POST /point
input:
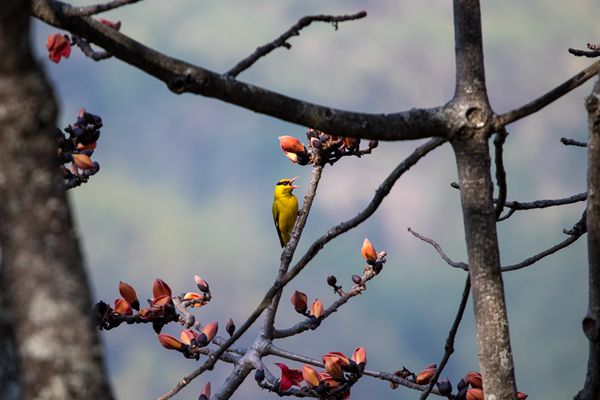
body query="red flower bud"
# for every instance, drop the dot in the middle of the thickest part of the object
(521, 396)
(210, 330)
(291, 144)
(128, 293)
(425, 376)
(194, 296)
(289, 377)
(206, 390)
(169, 342)
(475, 394)
(333, 366)
(122, 307)
(368, 252)
(83, 161)
(316, 308)
(160, 288)
(311, 376)
(360, 355)
(299, 301)
(202, 284)
(187, 335)
(474, 378)
(58, 46)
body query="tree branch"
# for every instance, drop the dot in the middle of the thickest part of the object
(546, 99)
(86, 11)
(183, 77)
(500, 172)
(449, 346)
(438, 248)
(281, 41)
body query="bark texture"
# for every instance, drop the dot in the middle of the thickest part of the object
(471, 147)
(591, 323)
(46, 326)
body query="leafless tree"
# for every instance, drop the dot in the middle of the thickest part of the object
(46, 326)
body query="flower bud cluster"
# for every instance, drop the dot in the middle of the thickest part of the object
(339, 375)
(470, 387)
(163, 308)
(75, 148)
(322, 148)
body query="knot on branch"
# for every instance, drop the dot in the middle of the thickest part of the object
(591, 328)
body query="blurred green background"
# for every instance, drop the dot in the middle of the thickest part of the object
(186, 183)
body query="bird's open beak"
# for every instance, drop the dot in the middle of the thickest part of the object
(292, 181)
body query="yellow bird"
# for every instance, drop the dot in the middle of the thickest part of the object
(285, 209)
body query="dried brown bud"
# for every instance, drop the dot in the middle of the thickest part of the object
(332, 281)
(230, 327)
(315, 143)
(356, 279)
(299, 301)
(445, 387)
(373, 144)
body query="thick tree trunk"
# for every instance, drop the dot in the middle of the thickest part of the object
(591, 323)
(471, 147)
(48, 334)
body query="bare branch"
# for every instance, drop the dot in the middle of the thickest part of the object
(572, 142)
(382, 191)
(281, 41)
(86, 11)
(438, 248)
(183, 77)
(578, 230)
(87, 50)
(310, 323)
(593, 51)
(546, 99)
(500, 172)
(516, 205)
(449, 346)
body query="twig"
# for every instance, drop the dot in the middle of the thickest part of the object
(593, 51)
(516, 205)
(438, 248)
(449, 346)
(281, 41)
(572, 142)
(575, 233)
(87, 50)
(546, 99)
(578, 230)
(368, 274)
(86, 11)
(500, 172)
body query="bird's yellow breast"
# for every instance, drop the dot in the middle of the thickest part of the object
(285, 211)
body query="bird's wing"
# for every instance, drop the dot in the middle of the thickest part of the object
(276, 220)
